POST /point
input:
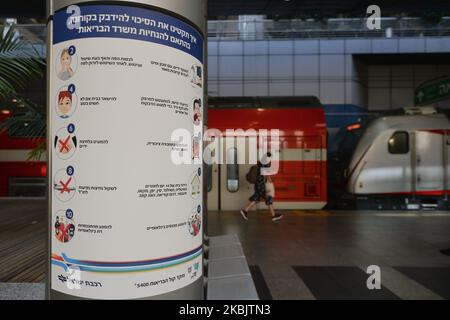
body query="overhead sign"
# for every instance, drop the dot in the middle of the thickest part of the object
(126, 221)
(433, 92)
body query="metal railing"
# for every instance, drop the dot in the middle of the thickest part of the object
(262, 29)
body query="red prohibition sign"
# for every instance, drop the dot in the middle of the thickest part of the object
(65, 186)
(64, 145)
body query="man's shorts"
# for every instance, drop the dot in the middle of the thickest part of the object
(256, 197)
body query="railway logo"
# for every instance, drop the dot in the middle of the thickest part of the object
(193, 270)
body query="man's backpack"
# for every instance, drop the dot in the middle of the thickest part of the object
(252, 175)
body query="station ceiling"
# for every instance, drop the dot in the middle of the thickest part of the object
(281, 8)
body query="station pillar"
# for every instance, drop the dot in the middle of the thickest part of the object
(126, 98)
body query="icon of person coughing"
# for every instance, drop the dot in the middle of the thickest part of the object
(66, 72)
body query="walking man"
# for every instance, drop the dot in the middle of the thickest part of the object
(260, 190)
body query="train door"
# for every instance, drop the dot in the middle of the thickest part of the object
(212, 178)
(431, 153)
(234, 187)
(229, 188)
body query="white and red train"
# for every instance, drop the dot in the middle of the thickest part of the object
(402, 162)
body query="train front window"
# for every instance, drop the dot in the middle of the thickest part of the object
(399, 143)
(232, 170)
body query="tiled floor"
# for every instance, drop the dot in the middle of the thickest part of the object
(324, 255)
(307, 255)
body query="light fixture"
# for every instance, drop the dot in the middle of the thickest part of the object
(355, 126)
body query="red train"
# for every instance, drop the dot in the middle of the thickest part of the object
(19, 176)
(301, 181)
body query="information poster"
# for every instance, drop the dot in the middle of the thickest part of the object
(126, 220)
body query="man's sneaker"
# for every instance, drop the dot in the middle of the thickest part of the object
(277, 217)
(244, 214)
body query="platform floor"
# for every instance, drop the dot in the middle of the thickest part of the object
(23, 240)
(325, 255)
(307, 255)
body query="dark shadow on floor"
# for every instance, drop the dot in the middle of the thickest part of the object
(437, 279)
(260, 283)
(340, 283)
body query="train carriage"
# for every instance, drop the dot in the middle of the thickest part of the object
(402, 162)
(300, 182)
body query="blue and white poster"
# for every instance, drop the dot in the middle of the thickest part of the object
(126, 220)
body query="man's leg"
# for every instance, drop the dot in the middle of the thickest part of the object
(271, 210)
(250, 205)
(244, 212)
(269, 203)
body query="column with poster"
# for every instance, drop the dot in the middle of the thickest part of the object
(125, 219)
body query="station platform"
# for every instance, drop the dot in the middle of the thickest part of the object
(306, 255)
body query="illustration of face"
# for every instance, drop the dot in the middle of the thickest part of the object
(196, 147)
(66, 60)
(65, 103)
(197, 112)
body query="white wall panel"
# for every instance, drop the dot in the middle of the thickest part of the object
(281, 47)
(213, 48)
(260, 47)
(281, 89)
(281, 67)
(412, 45)
(230, 89)
(256, 67)
(231, 47)
(332, 67)
(332, 92)
(230, 68)
(384, 45)
(256, 89)
(306, 66)
(306, 88)
(306, 46)
(332, 46)
(212, 67)
(358, 46)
